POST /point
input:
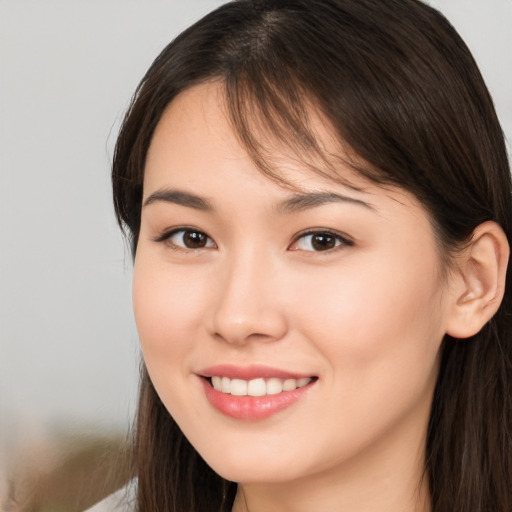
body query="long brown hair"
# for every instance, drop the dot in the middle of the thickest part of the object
(404, 94)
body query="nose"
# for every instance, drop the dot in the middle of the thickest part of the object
(247, 303)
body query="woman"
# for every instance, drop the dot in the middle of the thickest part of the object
(318, 199)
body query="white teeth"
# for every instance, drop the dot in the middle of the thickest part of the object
(226, 385)
(238, 387)
(289, 384)
(274, 386)
(217, 383)
(302, 382)
(257, 387)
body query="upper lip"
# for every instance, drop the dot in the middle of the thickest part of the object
(250, 372)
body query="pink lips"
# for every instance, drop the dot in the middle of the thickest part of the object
(249, 372)
(251, 408)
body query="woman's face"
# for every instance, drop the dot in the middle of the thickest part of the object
(316, 311)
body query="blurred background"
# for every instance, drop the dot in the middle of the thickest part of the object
(68, 345)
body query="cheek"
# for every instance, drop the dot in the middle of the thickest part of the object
(168, 309)
(376, 326)
(168, 314)
(380, 336)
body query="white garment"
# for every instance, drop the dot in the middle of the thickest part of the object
(121, 501)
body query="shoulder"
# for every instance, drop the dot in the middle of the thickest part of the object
(121, 501)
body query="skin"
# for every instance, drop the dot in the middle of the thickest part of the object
(366, 317)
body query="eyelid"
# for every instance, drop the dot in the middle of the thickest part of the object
(342, 237)
(169, 233)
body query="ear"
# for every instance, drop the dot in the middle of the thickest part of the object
(479, 281)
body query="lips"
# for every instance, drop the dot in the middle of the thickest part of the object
(253, 393)
(250, 372)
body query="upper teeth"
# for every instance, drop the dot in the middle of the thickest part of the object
(257, 387)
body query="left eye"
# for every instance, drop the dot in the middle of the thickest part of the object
(318, 241)
(189, 239)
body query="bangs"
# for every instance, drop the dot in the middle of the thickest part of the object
(278, 119)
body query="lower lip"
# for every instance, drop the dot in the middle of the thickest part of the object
(252, 408)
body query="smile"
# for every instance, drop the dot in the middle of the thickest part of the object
(253, 393)
(257, 387)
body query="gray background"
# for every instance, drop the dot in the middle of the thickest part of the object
(68, 346)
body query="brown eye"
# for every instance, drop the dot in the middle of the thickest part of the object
(319, 241)
(189, 239)
(323, 242)
(194, 239)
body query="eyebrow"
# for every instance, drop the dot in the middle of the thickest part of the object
(313, 199)
(179, 197)
(296, 203)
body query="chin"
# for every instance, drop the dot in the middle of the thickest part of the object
(255, 465)
(256, 473)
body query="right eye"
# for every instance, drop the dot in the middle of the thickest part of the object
(187, 239)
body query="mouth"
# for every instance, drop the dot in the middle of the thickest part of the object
(254, 393)
(257, 387)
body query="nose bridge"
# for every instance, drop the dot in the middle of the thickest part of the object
(246, 305)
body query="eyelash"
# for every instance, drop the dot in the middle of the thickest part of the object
(339, 239)
(166, 237)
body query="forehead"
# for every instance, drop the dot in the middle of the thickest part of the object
(195, 145)
(198, 123)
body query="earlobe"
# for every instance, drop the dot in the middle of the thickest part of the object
(480, 281)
